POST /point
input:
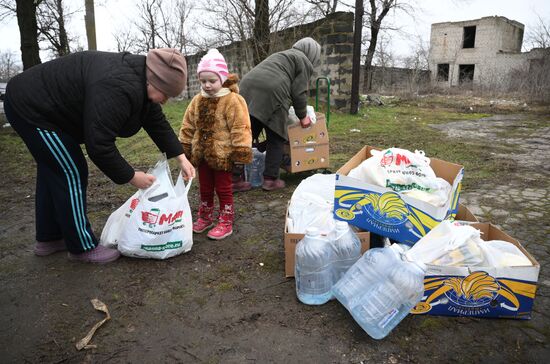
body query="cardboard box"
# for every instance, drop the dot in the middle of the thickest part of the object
(308, 148)
(291, 239)
(465, 215)
(407, 228)
(512, 299)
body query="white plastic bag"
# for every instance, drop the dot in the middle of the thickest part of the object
(499, 253)
(449, 244)
(155, 222)
(312, 203)
(404, 172)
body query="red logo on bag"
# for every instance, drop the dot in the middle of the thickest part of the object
(134, 203)
(171, 218)
(154, 217)
(402, 159)
(150, 217)
(387, 158)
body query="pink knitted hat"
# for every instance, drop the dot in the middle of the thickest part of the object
(214, 62)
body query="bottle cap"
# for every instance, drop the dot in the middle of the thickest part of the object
(397, 248)
(341, 225)
(312, 231)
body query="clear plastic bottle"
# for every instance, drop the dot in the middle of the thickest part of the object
(385, 304)
(313, 272)
(347, 249)
(255, 170)
(365, 273)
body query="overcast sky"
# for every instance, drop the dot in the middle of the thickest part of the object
(114, 14)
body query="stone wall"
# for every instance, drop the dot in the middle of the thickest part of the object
(335, 35)
(395, 80)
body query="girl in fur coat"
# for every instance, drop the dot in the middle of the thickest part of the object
(216, 137)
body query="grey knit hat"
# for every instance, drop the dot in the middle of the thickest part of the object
(310, 48)
(166, 71)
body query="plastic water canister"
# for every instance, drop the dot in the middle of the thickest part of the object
(313, 273)
(385, 304)
(255, 170)
(346, 247)
(366, 272)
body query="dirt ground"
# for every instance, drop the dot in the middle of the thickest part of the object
(228, 301)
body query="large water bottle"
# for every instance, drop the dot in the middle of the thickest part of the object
(313, 273)
(365, 273)
(383, 306)
(255, 170)
(347, 249)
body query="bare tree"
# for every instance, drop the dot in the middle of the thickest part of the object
(384, 55)
(89, 20)
(52, 17)
(25, 11)
(160, 24)
(375, 15)
(233, 20)
(356, 62)
(539, 35)
(8, 66)
(324, 7)
(126, 40)
(261, 30)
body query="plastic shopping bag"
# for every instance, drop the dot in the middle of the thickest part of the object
(155, 222)
(449, 244)
(312, 203)
(499, 253)
(404, 172)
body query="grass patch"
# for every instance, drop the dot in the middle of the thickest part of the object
(225, 287)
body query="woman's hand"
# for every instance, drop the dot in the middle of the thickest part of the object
(305, 122)
(142, 180)
(187, 169)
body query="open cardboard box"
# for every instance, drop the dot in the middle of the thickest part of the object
(406, 228)
(292, 239)
(308, 148)
(513, 297)
(464, 214)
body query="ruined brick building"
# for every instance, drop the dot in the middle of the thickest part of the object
(483, 52)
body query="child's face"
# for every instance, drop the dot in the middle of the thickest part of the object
(210, 82)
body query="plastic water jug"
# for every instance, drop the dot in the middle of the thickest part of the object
(386, 300)
(313, 272)
(255, 170)
(347, 249)
(366, 272)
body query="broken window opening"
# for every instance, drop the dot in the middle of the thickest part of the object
(469, 38)
(466, 73)
(443, 72)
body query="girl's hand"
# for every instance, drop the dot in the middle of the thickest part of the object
(142, 180)
(187, 169)
(305, 122)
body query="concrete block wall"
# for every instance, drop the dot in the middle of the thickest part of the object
(395, 79)
(335, 35)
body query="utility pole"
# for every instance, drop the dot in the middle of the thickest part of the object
(356, 58)
(89, 19)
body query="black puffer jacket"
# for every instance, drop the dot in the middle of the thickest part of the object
(94, 97)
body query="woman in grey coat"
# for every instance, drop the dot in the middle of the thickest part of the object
(270, 88)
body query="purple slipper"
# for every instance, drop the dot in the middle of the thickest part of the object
(100, 254)
(43, 248)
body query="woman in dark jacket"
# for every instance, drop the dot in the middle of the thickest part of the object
(270, 88)
(90, 98)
